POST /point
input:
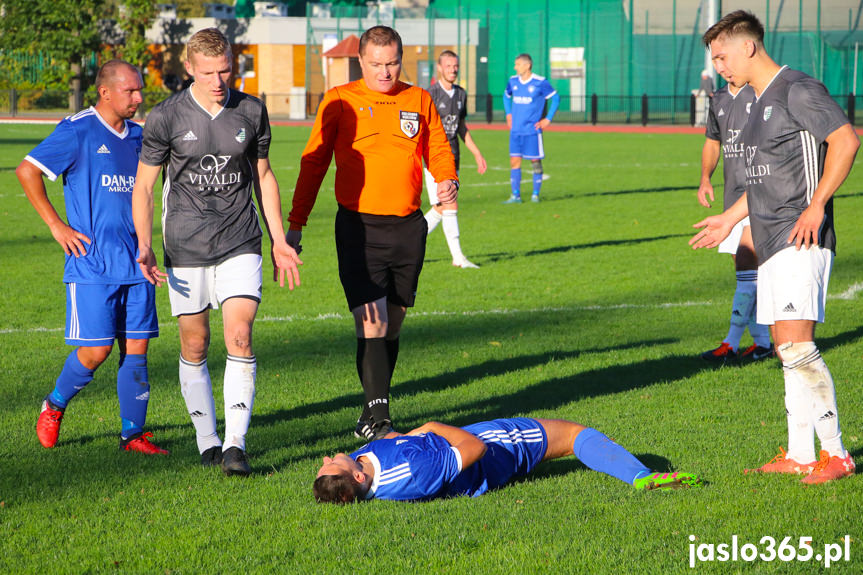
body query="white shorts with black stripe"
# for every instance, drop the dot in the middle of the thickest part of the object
(192, 290)
(792, 285)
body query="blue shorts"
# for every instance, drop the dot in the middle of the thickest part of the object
(527, 146)
(514, 447)
(97, 314)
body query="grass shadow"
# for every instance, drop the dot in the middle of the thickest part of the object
(495, 256)
(641, 191)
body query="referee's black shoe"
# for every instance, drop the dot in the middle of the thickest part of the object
(364, 430)
(381, 429)
(234, 462)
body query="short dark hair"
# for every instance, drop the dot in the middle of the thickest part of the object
(109, 70)
(525, 56)
(737, 23)
(336, 489)
(446, 54)
(380, 36)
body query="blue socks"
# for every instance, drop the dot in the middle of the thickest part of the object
(537, 176)
(72, 379)
(537, 183)
(133, 390)
(515, 181)
(600, 453)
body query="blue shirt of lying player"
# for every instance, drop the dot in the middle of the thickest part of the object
(437, 460)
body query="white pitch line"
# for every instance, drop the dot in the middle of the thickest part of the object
(30, 121)
(506, 183)
(848, 294)
(346, 316)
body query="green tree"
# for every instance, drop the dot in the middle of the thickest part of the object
(65, 30)
(135, 18)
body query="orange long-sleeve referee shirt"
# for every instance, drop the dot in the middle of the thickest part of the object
(379, 141)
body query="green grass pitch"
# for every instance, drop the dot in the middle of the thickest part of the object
(589, 306)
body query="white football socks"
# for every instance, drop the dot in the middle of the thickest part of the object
(450, 230)
(239, 397)
(433, 218)
(805, 362)
(197, 390)
(801, 441)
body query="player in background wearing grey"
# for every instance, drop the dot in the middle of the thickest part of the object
(451, 102)
(729, 110)
(213, 143)
(800, 147)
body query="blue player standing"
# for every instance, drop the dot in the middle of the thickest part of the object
(437, 460)
(524, 101)
(107, 298)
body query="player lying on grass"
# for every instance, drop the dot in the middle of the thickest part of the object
(438, 460)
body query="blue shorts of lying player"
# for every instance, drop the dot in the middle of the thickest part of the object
(437, 460)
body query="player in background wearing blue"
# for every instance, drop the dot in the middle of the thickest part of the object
(107, 298)
(437, 460)
(524, 101)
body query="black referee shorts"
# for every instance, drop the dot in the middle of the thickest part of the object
(380, 256)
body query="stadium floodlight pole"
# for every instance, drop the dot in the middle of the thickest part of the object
(711, 20)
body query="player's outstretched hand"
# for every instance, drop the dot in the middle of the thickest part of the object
(70, 239)
(285, 262)
(481, 166)
(808, 226)
(447, 191)
(714, 229)
(705, 190)
(147, 261)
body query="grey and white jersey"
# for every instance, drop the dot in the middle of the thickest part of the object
(208, 215)
(785, 152)
(453, 112)
(725, 121)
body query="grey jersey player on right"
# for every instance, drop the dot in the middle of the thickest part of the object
(799, 149)
(786, 148)
(451, 102)
(728, 113)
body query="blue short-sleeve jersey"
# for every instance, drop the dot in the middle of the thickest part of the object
(527, 101)
(423, 467)
(98, 166)
(411, 467)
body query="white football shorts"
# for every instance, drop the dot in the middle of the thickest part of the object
(792, 284)
(730, 244)
(192, 290)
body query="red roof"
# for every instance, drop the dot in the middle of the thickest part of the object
(347, 48)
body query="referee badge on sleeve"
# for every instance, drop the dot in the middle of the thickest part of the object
(410, 123)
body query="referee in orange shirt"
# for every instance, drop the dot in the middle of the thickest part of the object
(380, 130)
